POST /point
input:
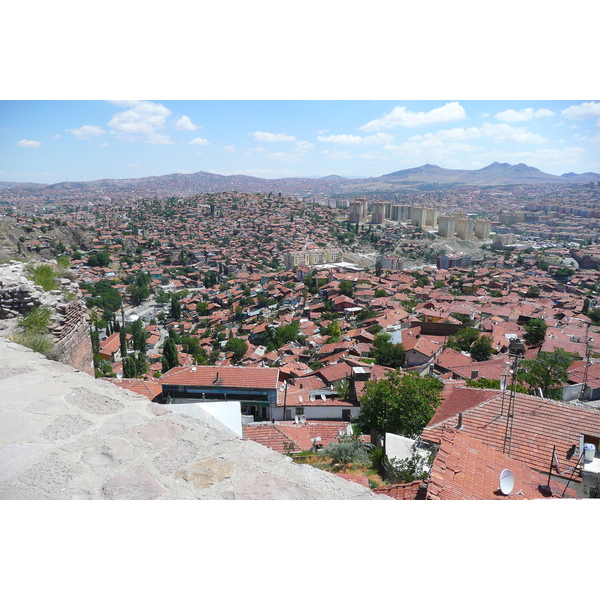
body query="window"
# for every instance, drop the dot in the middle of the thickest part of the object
(300, 410)
(345, 414)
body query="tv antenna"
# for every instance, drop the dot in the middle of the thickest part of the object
(516, 350)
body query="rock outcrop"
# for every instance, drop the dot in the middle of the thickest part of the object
(70, 324)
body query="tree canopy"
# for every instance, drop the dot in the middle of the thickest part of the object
(386, 353)
(170, 356)
(238, 347)
(481, 349)
(548, 371)
(402, 404)
(535, 332)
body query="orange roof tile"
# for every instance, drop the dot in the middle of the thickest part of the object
(238, 377)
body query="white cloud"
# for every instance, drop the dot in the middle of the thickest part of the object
(56, 136)
(336, 154)
(430, 151)
(28, 144)
(401, 117)
(378, 138)
(185, 124)
(501, 132)
(199, 142)
(525, 114)
(457, 133)
(229, 148)
(159, 138)
(263, 136)
(133, 165)
(586, 110)
(303, 147)
(86, 132)
(367, 156)
(142, 118)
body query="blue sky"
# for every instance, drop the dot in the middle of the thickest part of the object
(48, 141)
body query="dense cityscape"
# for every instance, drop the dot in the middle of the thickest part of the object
(337, 297)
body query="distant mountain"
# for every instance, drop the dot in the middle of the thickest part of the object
(581, 177)
(494, 174)
(182, 184)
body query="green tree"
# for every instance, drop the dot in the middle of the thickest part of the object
(535, 332)
(402, 404)
(462, 339)
(238, 346)
(413, 468)
(481, 349)
(548, 371)
(170, 357)
(138, 336)
(378, 268)
(346, 288)
(533, 291)
(175, 308)
(386, 353)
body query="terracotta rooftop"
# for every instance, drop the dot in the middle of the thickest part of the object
(239, 377)
(538, 425)
(467, 469)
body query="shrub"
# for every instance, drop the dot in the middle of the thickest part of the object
(44, 276)
(36, 341)
(348, 451)
(37, 320)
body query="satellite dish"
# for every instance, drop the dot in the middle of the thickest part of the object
(342, 432)
(503, 384)
(303, 419)
(507, 481)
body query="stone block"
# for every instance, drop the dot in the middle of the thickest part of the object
(135, 485)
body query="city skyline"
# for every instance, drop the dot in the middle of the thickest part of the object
(49, 141)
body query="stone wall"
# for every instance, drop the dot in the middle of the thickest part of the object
(70, 326)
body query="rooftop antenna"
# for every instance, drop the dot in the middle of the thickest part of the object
(587, 364)
(546, 490)
(516, 350)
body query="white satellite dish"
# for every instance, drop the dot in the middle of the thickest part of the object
(507, 481)
(503, 384)
(303, 419)
(342, 432)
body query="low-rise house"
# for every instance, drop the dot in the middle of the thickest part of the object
(255, 388)
(549, 436)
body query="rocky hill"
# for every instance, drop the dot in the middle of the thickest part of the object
(180, 184)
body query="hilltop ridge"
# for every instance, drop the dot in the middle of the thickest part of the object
(176, 184)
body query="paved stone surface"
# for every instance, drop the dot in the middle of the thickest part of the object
(65, 435)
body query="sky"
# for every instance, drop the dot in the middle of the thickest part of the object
(48, 141)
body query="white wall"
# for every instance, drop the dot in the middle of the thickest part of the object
(228, 413)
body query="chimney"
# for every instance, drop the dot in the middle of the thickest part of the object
(474, 373)
(460, 418)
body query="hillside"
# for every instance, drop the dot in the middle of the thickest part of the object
(182, 184)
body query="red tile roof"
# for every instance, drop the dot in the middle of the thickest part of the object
(467, 469)
(238, 377)
(403, 491)
(538, 425)
(151, 389)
